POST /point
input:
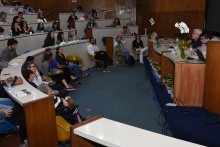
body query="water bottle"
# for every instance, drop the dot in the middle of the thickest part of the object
(177, 39)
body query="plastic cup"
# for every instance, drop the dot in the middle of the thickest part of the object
(9, 86)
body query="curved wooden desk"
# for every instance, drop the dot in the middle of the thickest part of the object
(188, 74)
(39, 108)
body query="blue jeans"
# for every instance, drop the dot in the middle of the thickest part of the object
(6, 103)
(77, 70)
(127, 55)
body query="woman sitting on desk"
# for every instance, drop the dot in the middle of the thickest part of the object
(119, 46)
(138, 46)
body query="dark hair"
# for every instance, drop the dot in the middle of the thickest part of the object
(59, 36)
(47, 50)
(12, 42)
(119, 23)
(27, 64)
(124, 27)
(91, 38)
(79, 7)
(19, 12)
(57, 50)
(137, 36)
(47, 56)
(3, 13)
(1, 30)
(25, 6)
(38, 16)
(21, 24)
(14, 19)
(49, 35)
(38, 26)
(30, 58)
(207, 35)
(26, 73)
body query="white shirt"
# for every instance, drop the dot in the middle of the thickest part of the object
(38, 80)
(41, 20)
(92, 49)
(13, 11)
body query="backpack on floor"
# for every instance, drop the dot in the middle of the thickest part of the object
(131, 61)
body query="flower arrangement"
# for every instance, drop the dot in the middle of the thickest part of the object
(183, 30)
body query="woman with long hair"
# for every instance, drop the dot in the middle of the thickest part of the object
(50, 39)
(55, 26)
(40, 27)
(138, 46)
(40, 18)
(60, 38)
(61, 59)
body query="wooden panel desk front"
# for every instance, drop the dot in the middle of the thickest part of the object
(41, 127)
(115, 134)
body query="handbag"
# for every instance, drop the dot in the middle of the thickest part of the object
(63, 129)
(13, 81)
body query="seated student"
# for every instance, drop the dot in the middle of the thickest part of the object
(72, 17)
(20, 15)
(56, 74)
(98, 54)
(6, 3)
(126, 31)
(14, 10)
(55, 26)
(138, 46)
(58, 88)
(61, 59)
(94, 15)
(77, 9)
(16, 30)
(2, 33)
(3, 18)
(85, 16)
(27, 9)
(66, 71)
(60, 38)
(40, 28)
(25, 29)
(50, 39)
(119, 46)
(15, 115)
(10, 52)
(91, 24)
(6, 103)
(29, 76)
(72, 36)
(195, 41)
(205, 37)
(58, 102)
(115, 23)
(40, 18)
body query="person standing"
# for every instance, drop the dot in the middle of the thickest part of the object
(10, 52)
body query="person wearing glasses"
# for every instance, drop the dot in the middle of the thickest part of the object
(195, 41)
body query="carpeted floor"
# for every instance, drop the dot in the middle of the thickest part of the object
(124, 95)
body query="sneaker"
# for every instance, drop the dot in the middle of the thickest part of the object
(115, 63)
(70, 88)
(106, 70)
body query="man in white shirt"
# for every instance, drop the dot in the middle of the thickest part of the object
(14, 10)
(99, 54)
